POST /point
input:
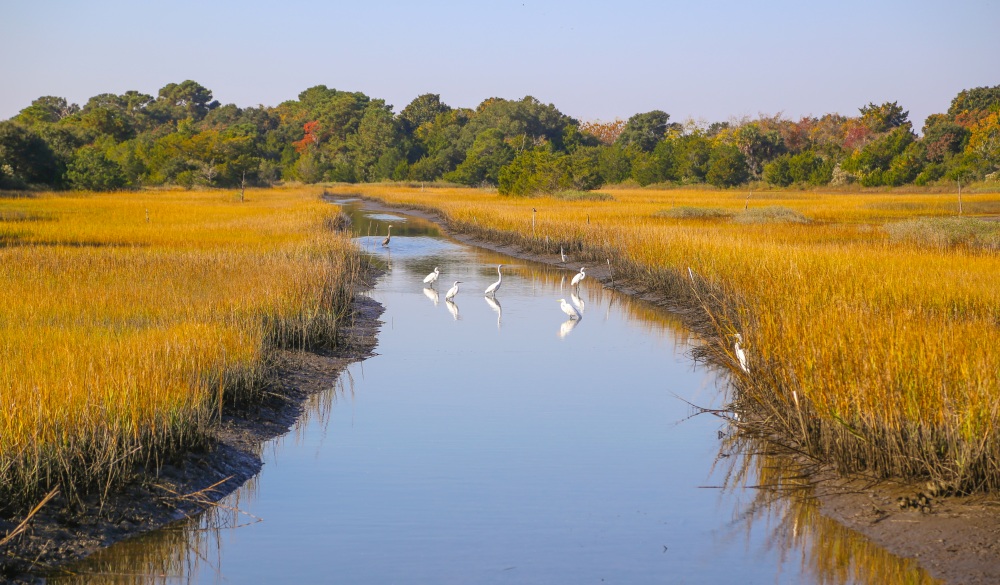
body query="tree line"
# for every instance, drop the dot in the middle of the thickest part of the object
(185, 137)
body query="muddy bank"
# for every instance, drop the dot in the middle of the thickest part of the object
(955, 539)
(186, 485)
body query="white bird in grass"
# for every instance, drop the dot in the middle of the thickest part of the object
(493, 288)
(388, 235)
(741, 354)
(431, 278)
(452, 291)
(579, 277)
(562, 254)
(569, 309)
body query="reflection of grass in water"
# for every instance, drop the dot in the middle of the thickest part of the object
(830, 553)
(123, 349)
(867, 352)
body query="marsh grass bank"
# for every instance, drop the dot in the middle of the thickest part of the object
(133, 325)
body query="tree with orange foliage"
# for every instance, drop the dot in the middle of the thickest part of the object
(309, 139)
(606, 132)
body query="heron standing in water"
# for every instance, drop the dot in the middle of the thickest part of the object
(388, 235)
(452, 291)
(431, 278)
(493, 288)
(579, 277)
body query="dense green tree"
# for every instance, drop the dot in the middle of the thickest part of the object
(976, 99)
(423, 109)
(47, 109)
(692, 152)
(27, 158)
(485, 158)
(178, 101)
(538, 170)
(90, 169)
(645, 130)
(727, 166)
(884, 117)
(871, 162)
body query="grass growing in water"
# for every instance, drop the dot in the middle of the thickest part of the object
(126, 320)
(874, 355)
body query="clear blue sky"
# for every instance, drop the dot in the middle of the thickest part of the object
(708, 60)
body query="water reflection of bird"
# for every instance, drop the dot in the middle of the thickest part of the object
(452, 291)
(388, 235)
(577, 302)
(452, 308)
(569, 309)
(579, 277)
(567, 326)
(562, 255)
(495, 305)
(432, 277)
(493, 288)
(741, 354)
(431, 294)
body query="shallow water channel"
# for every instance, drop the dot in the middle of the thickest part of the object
(500, 442)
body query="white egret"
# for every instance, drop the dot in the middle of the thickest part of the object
(493, 288)
(562, 254)
(569, 309)
(452, 291)
(741, 354)
(577, 302)
(388, 235)
(431, 278)
(579, 277)
(431, 294)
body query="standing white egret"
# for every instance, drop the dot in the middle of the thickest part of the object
(388, 235)
(452, 291)
(562, 254)
(493, 288)
(431, 278)
(741, 354)
(569, 309)
(579, 277)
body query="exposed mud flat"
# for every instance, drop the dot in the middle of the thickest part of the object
(186, 485)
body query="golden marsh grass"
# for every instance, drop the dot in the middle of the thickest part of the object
(872, 351)
(127, 319)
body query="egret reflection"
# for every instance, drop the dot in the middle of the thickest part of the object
(495, 305)
(452, 308)
(432, 295)
(567, 326)
(577, 302)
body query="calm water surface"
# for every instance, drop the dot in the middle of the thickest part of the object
(499, 442)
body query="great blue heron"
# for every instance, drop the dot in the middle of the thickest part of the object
(388, 235)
